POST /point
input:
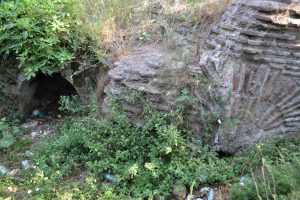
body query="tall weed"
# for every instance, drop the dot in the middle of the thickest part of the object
(272, 172)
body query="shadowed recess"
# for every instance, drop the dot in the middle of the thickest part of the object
(46, 92)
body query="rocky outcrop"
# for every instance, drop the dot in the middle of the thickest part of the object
(146, 76)
(247, 78)
(254, 54)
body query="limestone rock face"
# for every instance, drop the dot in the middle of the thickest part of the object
(254, 53)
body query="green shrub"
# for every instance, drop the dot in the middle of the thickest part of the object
(41, 34)
(71, 104)
(146, 160)
(8, 134)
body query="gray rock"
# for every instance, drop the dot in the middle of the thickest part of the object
(14, 172)
(161, 198)
(179, 192)
(30, 124)
(137, 75)
(34, 134)
(47, 131)
(205, 190)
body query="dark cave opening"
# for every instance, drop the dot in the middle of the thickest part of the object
(223, 154)
(46, 92)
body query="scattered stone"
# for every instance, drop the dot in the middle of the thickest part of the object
(161, 198)
(14, 172)
(206, 193)
(3, 170)
(47, 132)
(30, 124)
(179, 192)
(12, 189)
(25, 164)
(34, 134)
(205, 190)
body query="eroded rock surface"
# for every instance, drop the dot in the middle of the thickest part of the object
(254, 54)
(141, 78)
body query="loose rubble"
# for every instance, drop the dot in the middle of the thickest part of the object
(30, 124)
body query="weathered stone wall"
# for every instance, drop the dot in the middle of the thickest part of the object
(252, 61)
(254, 53)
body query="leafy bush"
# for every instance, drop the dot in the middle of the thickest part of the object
(42, 34)
(74, 106)
(71, 104)
(145, 161)
(8, 134)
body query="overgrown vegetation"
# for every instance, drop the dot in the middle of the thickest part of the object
(144, 161)
(148, 161)
(140, 161)
(271, 172)
(41, 34)
(8, 133)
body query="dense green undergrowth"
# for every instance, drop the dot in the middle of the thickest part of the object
(145, 161)
(149, 161)
(9, 129)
